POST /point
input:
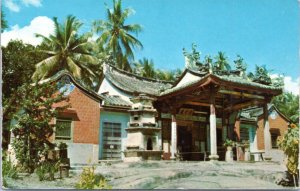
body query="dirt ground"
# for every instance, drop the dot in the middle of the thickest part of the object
(171, 175)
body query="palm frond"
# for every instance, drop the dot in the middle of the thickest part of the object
(43, 67)
(73, 68)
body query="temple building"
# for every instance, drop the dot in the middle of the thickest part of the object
(194, 115)
(133, 118)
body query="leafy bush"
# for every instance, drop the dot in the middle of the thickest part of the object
(46, 170)
(8, 170)
(89, 180)
(62, 146)
(290, 145)
(228, 143)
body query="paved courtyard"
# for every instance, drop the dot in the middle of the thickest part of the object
(172, 175)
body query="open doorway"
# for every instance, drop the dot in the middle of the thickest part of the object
(184, 143)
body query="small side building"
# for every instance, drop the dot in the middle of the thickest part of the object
(250, 127)
(81, 120)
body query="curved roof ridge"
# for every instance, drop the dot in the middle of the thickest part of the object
(137, 76)
(61, 73)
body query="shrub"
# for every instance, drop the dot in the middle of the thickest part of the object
(228, 143)
(46, 170)
(89, 180)
(8, 170)
(290, 145)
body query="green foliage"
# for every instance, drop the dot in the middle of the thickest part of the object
(62, 146)
(47, 169)
(278, 81)
(144, 68)
(221, 63)
(8, 170)
(89, 180)
(116, 36)
(288, 104)
(168, 75)
(32, 128)
(4, 24)
(67, 50)
(228, 143)
(290, 145)
(17, 67)
(261, 75)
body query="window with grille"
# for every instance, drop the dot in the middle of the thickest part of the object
(244, 134)
(111, 140)
(63, 130)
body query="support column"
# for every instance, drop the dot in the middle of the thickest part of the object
(224, 127)
(173, 137)
(213, 128)
(267, 134)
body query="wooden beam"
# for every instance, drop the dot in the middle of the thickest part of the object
(241, 94)
(243, 105)
(201, 104)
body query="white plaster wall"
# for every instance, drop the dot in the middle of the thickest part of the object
(106, 86)
(188, 77)
(80, 153)
(147, 118)
(135, 139)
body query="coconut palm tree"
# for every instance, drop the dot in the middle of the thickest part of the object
(221, 63)
(288, 104)
(117, 36)
(69, 51)
(145, 67)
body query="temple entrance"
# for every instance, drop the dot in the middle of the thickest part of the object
(184, 143)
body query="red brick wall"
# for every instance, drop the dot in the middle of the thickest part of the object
(86, 126)
(278, 123)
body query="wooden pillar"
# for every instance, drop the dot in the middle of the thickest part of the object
(224, 127)
(213, 127)
(267, 134)
(173, 136)
(207, 134)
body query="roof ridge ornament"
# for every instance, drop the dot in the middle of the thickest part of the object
(192, 60)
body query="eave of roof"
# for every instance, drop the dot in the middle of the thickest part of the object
(131, 83)
(115, 101)
(62, 73)
(257, 113)
(226, 80)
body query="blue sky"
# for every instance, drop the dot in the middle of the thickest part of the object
(263, 32)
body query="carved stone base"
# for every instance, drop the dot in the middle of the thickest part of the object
(137, 155)
(213, 157)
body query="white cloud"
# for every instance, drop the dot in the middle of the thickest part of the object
(41, 25)
(290, 84)
(36, 3)
(12, 5)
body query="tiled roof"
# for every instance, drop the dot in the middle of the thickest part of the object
(116, 101)
(226, 78)
(244, 81)
(135, 84)
(253, 113)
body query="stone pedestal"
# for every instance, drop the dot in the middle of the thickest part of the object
(247, 156)
(229, 155)
(143, 133)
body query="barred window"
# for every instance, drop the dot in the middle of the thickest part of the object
(63, 129)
